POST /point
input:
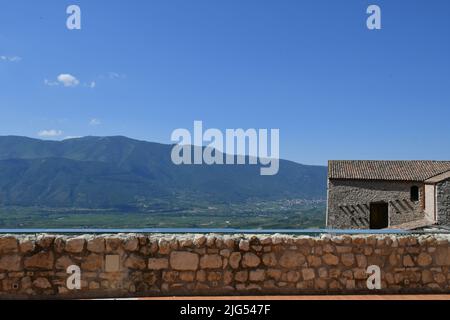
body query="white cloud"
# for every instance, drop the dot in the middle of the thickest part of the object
(72, 137)
(95, 122)
(90, 85)
(68, 80)
(10, 58)
(112, 76)
(51, 83)
(50, 133)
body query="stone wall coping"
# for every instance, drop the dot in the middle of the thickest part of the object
(278, 237)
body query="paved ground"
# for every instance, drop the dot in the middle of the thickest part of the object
(334, 297)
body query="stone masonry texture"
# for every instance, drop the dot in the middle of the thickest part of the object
(443, 202)
(132, 265)
(349, 202)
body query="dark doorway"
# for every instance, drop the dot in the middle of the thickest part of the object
(414, 193)
(379, 215)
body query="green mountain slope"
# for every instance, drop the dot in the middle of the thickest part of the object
(118, 172)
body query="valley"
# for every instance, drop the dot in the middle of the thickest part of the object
(282, 214)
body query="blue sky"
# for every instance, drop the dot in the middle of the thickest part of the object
(335, 89)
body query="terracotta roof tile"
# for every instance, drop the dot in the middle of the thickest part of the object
(386, 170)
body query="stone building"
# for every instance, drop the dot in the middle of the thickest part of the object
(388, 194)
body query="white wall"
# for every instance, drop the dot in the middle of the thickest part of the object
(430, 201)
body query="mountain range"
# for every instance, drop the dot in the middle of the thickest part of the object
(127, 174)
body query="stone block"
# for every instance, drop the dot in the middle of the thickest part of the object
(184, 261)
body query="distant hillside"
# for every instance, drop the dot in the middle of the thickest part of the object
(118, 172)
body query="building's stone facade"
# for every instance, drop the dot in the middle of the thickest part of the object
(148, 265)
(443, 202)
(349, 202)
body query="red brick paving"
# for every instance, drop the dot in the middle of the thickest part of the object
(333, 297)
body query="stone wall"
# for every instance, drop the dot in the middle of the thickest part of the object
(127, 265)
(349, 202)
(443, 202)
